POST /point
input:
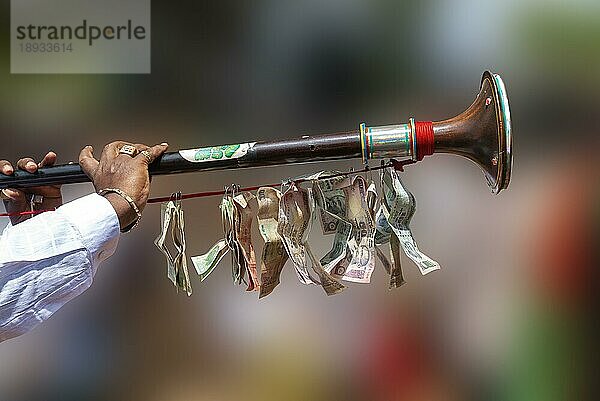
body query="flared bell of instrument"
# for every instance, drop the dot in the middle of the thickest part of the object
(483, 133)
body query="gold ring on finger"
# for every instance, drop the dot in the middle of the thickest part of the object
(128, 150)
(147, 155)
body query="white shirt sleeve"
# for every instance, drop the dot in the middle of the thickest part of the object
(52, 258)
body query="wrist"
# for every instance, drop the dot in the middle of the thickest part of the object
(128, 216)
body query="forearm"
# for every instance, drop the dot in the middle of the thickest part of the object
(30, 292)
(50, 259)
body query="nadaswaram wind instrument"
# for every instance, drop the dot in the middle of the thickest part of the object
(482, 134)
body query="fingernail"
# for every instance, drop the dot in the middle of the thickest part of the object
(31, 166)
(164, 144)
(7, 170)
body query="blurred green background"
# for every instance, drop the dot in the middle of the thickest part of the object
(510, 317)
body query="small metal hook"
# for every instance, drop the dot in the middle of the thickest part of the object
(285, 184)
(384, 168)
(369, 172)
(400, 164)
(224, 217)
(235, 188)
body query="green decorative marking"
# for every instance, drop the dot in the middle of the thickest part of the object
(230, 150)
(216, 153)
(202, 154)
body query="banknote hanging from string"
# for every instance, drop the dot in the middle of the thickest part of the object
(368, 220)
(360, 216)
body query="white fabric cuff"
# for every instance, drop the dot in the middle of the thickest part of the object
(97, 222)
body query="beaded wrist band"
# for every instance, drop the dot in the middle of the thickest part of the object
(131, 203)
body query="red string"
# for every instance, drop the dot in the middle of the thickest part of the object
(27, 213)
(400, 164)
(425, 139)
(207, 194)
(392, 163)
(254, 188)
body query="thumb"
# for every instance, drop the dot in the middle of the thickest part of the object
(87, 161)
(14, 195)
(154, 153)
(15, 201)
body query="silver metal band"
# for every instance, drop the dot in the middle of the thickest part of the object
(129, 200)
(388, 141)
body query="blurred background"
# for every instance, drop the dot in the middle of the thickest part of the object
(509, 317)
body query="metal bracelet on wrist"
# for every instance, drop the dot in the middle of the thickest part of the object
(129, 200)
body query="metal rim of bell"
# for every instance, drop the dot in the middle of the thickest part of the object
(503, 119)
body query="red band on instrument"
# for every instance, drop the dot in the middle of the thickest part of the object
(425, 139)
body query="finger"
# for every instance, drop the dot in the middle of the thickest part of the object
(111, 151)
(14, 195)
(141, 148)
(48, 160)
(87, 161)
(27, 164)
(6, 168)
(15, 201)
(155, 152)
